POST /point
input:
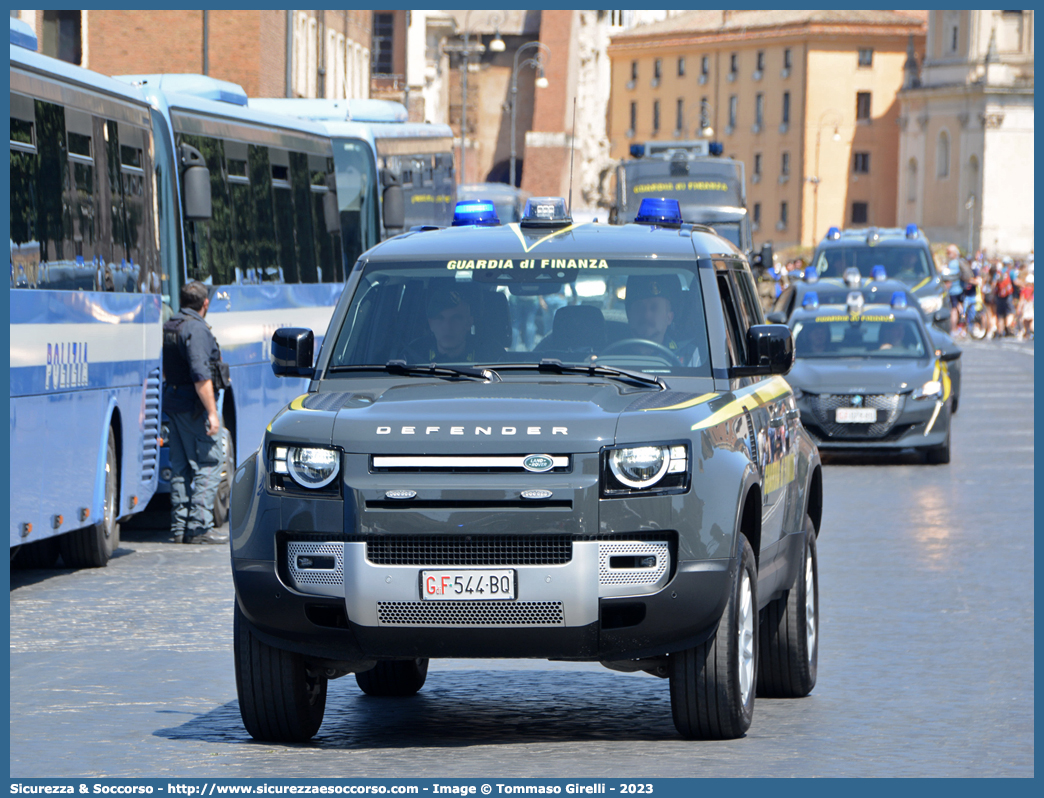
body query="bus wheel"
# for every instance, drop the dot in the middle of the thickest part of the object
(223, 497)
(38, 554)
(92, 546)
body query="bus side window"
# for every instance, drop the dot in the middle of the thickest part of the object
(25, 244)
(300, 178)
(244, 219)
(283, 206)
(266, 266)
(324, 205)
(51, 177)
(137, 205)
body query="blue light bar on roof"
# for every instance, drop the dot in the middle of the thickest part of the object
(480, 212)
(833, 234)
(811, 275)
(637, 150)
(911, 231)
(898, 299)
(811, 300)
(22, 34)
(879, 273)
(659, 211)
(716, 148)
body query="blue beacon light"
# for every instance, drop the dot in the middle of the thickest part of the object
(879, 273)
(911, 231)
(479, 212)
(811, 275)
(833, 234)
(898, 300)
(659, 211)
(811, 300)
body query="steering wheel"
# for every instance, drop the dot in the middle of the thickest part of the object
(627, 342)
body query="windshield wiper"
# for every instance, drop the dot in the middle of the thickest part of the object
(558, 367)
(435, 370)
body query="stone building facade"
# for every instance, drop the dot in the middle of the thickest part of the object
(806, 99)
(966, 141)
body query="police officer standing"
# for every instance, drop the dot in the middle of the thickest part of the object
(193, 373)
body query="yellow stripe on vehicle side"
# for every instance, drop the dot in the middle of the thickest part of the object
(298, 403)
(760, 393)
(920, 284)
(689, 403)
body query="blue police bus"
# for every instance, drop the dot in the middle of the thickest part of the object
(86, 279)
(270, 221)
(414, 159)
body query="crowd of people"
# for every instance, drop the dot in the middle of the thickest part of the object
(990, 296)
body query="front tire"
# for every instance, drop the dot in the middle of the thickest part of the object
(223, 496)
(939, 455)
(712, 685)
(394, 678)
(789, 654)
(281, 700)
(92, 546)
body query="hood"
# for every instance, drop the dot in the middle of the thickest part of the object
(859, 375)
(425, 417)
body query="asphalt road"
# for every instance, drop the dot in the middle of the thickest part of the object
(925, 667)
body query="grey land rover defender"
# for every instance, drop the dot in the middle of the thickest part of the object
(535, 440)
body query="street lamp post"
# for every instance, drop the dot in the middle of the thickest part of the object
(496, 46)
(815, 179)
(537, 62)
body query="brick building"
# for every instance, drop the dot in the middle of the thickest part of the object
(806, 99)
(269, 53)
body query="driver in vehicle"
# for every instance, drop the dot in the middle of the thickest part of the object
(450, 340)
(651, 301)
(892, 336)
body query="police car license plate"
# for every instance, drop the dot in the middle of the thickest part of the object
(468, 585)
(856, 415)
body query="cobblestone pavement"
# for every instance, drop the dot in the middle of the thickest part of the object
(926, 658)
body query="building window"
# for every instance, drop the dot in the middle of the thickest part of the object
(734, 63)
(942, 155)
(859, 212)
(705, 65)
(953, 38)
(759, 110)
(782, 215)
(761, 61)
(911, 181)
(757, 213)
(656, 116)
(733, 110)
(679, 115)
(61, 36)
(657, 68)
(634, 117)
(866, 56)
(634, 70)
(704, 114)
(784, 164)
(862, 105)
(786, 108)
(787, 64)
(681, 67)
(757, 163)
(861, 163)
(383, 32)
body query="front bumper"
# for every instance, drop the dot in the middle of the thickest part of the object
(910, 425)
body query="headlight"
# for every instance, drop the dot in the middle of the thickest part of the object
(642, 467)
(928, 390)
(310, 467)
(930, 304)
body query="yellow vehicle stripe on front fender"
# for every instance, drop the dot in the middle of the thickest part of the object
(699, 400)
(298, 403)
(760, 393)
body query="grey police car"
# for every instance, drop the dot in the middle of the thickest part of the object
(870, 377)
(877, 289)
(631, 485)
(903, 254)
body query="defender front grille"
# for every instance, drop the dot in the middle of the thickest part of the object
(889, 405)
(469, 549)
(461, 464)
(470, 613)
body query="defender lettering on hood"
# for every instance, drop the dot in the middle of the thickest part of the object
(413, 430)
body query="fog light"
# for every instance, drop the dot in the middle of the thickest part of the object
(316, 562)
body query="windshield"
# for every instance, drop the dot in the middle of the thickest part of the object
(907, 264)
(356, 196)
(624, 314)
(697, 183)
(859, 336)
(729, 231)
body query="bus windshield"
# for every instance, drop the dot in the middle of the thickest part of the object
(356, 196)
(625, 314)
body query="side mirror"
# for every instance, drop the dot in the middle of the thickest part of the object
(770, 349)
(394, 203)
(776, 317)
(941, 315)
(196, 183)
(292, 349)
(950, 355)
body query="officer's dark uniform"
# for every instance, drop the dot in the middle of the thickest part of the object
(425, 349)
(189, 349)
(666, 286)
